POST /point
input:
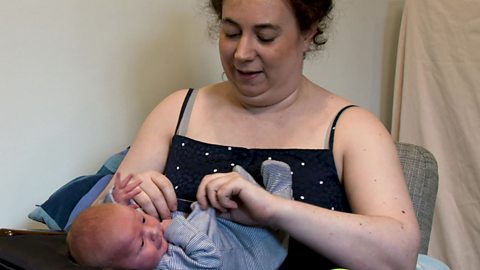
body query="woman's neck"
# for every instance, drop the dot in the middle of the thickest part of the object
(273, 102)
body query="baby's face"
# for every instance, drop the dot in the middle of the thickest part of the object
(142, 242)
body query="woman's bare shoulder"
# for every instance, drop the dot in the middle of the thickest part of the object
(358, 126)
(173, 99)
(360, 131)
(359, 119)
(165, 114)
(169, 108)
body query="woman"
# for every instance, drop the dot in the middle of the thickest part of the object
(351, 207)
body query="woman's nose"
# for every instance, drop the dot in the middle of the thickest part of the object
(245, 50)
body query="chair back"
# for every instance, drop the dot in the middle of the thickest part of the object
(421, 172)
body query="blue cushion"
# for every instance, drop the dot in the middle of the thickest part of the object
(61, 208)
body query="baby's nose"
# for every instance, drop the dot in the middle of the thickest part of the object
(155, 236)
(152, 230)
(154, 233)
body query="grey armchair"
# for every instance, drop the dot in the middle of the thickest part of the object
(421, 172)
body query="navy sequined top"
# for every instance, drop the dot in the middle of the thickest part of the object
(314, 176)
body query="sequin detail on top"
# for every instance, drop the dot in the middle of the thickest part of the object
(315, 179)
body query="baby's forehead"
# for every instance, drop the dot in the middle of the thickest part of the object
(123, 227)
(120, 221)
(118, 210)
(123, 214)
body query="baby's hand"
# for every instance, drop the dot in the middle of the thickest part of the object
(125, 190)
(165, 223)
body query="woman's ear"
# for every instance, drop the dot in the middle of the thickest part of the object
(308, 37)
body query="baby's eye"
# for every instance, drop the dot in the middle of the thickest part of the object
(142, 244)
(144, 220)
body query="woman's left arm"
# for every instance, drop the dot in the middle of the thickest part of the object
(376, 188)
(381, 233)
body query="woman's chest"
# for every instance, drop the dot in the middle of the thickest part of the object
(314, 177)
(299, 133)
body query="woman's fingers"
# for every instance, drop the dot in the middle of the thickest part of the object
(153, 202)
(225, 195)
(168, 198)
(157, 196)
(206, 192)
(202, 194)
(220, 190)
(144, 201)
(212, 195)
(237, 198)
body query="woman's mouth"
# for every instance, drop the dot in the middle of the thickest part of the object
(247, 74)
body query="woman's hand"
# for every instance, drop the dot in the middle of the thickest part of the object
(157, 196)
(236, 198)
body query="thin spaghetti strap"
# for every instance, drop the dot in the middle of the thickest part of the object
(185, 112)
(334, 124)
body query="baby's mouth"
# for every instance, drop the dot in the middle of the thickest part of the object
(163, 245)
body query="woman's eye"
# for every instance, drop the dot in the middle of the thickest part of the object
(232, 35)
(266, 39)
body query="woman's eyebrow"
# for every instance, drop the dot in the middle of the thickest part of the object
(267, 26)
(257, 27)
(230, 21)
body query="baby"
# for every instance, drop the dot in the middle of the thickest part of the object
(120, 236)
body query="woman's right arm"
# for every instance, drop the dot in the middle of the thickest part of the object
(147, 157)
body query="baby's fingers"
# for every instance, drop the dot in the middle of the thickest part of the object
(132, 193)
(133, 185)
(122, 183)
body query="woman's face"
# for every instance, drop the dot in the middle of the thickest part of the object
(262, 49)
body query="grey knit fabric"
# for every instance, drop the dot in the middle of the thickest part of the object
(421, 172)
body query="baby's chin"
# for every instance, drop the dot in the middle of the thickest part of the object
(164, 247)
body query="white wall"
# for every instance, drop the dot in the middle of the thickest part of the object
(78, 77)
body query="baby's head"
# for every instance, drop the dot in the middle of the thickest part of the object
(118, 236)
